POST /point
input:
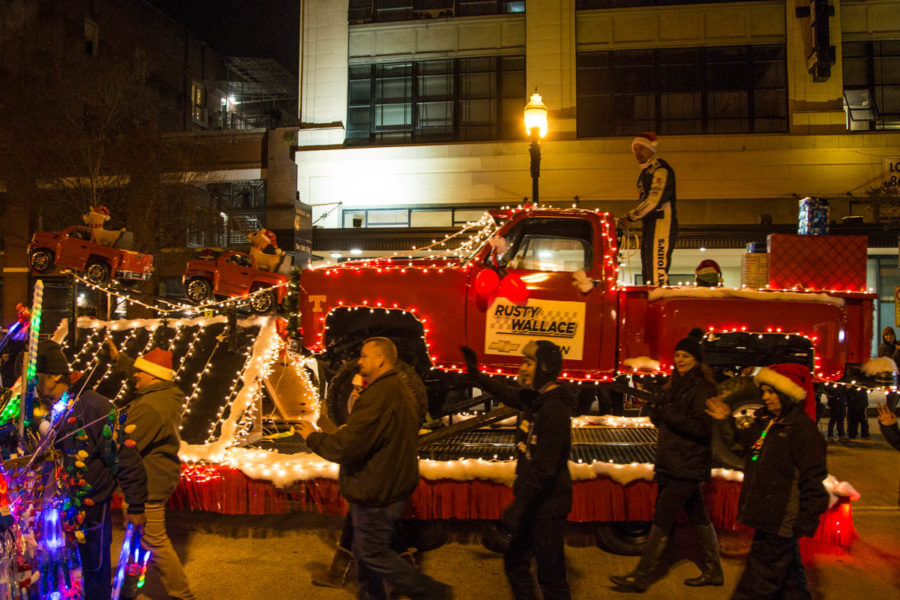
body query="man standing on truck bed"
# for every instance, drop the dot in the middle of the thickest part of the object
(655, 210)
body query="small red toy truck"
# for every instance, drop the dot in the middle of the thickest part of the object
(233, 274)
(73, 249)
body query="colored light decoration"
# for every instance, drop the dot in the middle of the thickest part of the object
(26, 412)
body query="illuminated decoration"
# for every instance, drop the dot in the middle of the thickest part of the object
(26, 412)
(536, 116)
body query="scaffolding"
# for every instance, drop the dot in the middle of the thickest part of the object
(259, 93)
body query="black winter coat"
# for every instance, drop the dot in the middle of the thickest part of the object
(377, 447)
(543, 486)
(892, 434)
(684, 446)
(782, 493)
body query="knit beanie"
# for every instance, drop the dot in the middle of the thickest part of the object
(50, 359)
(548, 357)
(691, 344)
(793, 381)
(647, 139)
(708, 273)
(157, 362)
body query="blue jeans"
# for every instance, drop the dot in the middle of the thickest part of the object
(377, 562)
(94, 552)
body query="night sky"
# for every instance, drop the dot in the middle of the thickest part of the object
(254, 28)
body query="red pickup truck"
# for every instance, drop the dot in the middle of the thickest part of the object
(72, 248)
(232, 274)
(560, 268)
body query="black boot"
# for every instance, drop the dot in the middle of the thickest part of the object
(337, 574)
(711, 567)
(639, 579)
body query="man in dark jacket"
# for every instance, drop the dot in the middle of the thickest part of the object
(105, 466)
(535, 521)
(655, 210)
(377, 452)
(782, 495)
(154, 418)
(683, 462)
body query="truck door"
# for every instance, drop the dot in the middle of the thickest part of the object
(545, 253)
(235, 275)
(74, 249)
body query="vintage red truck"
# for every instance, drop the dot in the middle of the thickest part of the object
(560, 268)
(232, 274)
(73, 249)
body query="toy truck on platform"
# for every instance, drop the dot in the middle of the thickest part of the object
(552, 274)
(233, 274)
(73, 248)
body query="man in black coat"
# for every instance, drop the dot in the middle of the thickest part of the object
(104, 467)
(782, 495)
(534, 524)
(377, 452)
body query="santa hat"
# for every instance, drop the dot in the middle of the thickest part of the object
(157, 362)
(646, 139)
(101, 209)
(793, 381)
(709, 267)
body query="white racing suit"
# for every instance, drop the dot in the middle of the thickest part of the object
(656, 211)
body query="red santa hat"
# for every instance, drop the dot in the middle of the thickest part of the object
(157, 362)
(793, 381)
(708, 267)
(100, 209)
(646, 139)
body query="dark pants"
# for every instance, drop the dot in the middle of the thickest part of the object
(94, 552)
(838, 409)
(346, 542)
(373, 528)
(774, 570)
(856, 414)
(673, 494)
(543, 539)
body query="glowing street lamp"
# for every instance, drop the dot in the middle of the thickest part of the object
(536, 127)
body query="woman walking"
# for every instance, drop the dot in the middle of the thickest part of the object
(683, 461)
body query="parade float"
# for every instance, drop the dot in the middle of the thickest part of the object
(247, 377)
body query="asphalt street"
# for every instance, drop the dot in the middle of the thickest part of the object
(272, 557)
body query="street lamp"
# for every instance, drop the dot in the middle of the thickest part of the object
(536, 127)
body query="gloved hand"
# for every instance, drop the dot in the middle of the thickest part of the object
(471, 358)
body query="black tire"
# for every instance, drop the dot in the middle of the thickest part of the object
(742, 396)
(263, 303)
(198, 290)
(97, 272)
(626, 538)
(41, 260)
(424, 535)
(338, 395)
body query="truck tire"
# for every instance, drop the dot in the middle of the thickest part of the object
(263, 303)
(97, 272)
(40, 260)
(198, 290)
(338, 395)
(626, 538)
(742, 396)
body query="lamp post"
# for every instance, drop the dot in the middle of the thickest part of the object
(536, 127)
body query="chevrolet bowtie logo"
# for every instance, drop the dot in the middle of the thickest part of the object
(504, 346)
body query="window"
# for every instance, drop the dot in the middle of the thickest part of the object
(239, 260)
(592, 4)
(872, 85)
(731, 89)
(367, 11)
(550, 245)
(198, 103)
(465, 99)
(91, 38)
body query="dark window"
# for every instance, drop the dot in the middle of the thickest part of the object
(733, 89)
(463, 99)
(872, 85)
(592, 4)
(368, 11)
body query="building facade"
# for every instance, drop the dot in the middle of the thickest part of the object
(411, 110)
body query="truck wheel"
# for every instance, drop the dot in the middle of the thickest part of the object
(263, 303)
(198, 290)
(338, 396)
(623, 537)
(40, 260)
(97, 272)
(742, 395)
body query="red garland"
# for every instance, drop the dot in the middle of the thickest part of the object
(226, 490)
